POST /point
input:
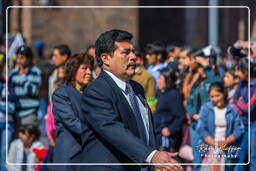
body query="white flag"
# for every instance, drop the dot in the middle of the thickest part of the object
(18, 41)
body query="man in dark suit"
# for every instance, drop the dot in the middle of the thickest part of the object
(116, 112)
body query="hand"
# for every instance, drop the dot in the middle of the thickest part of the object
(222, 143)
(52, 142)
(165, 132)
(22, 70)
(164, 157)
(195, 117)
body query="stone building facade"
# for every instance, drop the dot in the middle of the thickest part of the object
(79, 27)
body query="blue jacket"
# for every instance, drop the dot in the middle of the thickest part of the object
(206, 123)
(66, 109)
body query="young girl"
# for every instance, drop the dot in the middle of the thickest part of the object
(219, 122)
(170, 114)
(21, 149)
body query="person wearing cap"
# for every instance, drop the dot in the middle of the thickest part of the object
(25, 79)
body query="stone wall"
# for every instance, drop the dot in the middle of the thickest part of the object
(77, 27)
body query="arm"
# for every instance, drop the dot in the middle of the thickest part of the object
(191, 106)
(244, 106)
(99, 113)
(202, 127)
(238, 128)
(62, 111)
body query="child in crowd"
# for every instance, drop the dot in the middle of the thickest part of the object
(21, 149)
(219, 125)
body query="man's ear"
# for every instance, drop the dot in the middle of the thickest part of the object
(105, 58)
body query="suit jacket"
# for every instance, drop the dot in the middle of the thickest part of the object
(66, 109)
(114, 136)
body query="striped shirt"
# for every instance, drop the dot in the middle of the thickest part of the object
(26, 88)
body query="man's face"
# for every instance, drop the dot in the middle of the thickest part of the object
(22, 61)
(151, 58)
(122, 62)
(57, 58)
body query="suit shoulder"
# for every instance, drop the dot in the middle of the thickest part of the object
(138, 87)
(136, 84)
(98, 83)
(61, 91)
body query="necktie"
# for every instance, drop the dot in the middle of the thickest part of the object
(136, 111)
(24, 160)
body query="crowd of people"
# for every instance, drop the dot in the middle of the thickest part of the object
(202, 104)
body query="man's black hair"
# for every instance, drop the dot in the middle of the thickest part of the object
(106, 42)
(170, 76)
(25, 50)
(156, 48)
(170, 48)
(64, 50)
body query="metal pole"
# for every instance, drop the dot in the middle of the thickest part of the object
(213, 24)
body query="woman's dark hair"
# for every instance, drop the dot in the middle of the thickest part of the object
(219, 87)
(31, 129)
(25, 50)
(73, 64)
(170, 77)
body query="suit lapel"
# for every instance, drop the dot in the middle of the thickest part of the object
(123, 106)
(145, 103)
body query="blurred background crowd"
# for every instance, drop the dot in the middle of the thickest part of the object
(200, 93)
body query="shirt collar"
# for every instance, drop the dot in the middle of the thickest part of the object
(120, 83)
